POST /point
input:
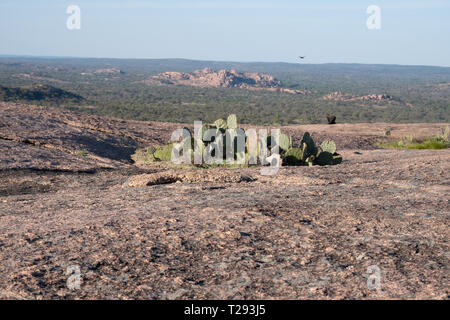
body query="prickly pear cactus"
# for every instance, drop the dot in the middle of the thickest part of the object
(163, 153)
(220, 124)
(207, 137)
(232, 122)
(197, 143)
(304, 147)
(310, 160)
(337, 159)
(150, 150)
(306, 153)
(201, 133)
(311, 148)
(228, 139)
(328, 146)
(197, 148)
(294, 157)
(284, 142)
(324, 158)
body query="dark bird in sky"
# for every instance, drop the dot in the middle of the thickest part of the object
(302, 57)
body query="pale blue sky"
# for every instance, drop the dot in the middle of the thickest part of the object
(412, 32)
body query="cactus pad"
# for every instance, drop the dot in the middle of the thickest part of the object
(294, 157)
(328, 146)
(220, 124)
(232, 122)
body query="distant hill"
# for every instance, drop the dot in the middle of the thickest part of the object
(37, 93)
(177, 90)
(208, 78)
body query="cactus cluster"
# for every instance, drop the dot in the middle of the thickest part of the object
(306, 153)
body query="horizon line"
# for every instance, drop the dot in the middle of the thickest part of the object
(208, 60)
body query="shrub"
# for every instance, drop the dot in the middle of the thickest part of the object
(306, 153)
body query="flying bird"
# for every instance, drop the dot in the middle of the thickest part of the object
(302, 57)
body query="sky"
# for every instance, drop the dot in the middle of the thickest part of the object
(325, 31)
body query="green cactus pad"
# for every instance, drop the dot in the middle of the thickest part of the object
(212, 139)
(232, 121)
(294, 157)
(220, 124)
(284, 141)
(324, 158)
(328, 146)
(199, 134)
(163, 153)
(150, 150)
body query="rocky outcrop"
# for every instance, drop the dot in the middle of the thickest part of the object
(41, 137)
(108, 71)
(376, 97)
(208, 78)
(222, 78)
(305, 233)
(339, 96)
